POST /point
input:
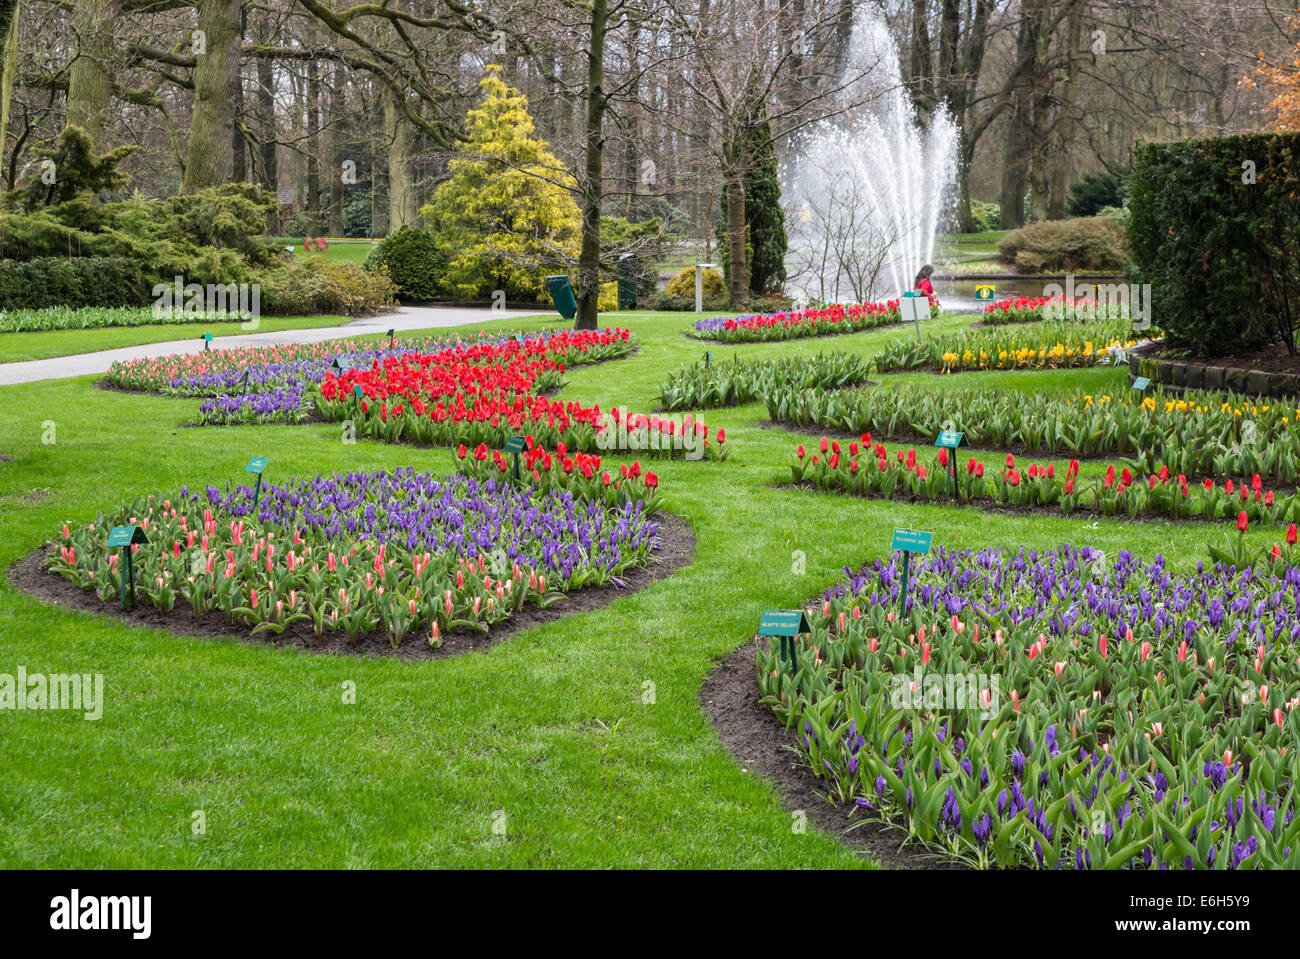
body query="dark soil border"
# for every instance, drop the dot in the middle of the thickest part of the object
(675, 551)
(761, 744)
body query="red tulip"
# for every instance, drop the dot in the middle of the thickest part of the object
(1241, 521)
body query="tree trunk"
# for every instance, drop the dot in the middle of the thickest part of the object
(208, 161)
(589, 257)
(399, 137)
(266, 122)
(738, 268)
(1060, 182)
(90, 77)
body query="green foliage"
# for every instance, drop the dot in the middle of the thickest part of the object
(1094, 191)
(70, 168)
(318, 284)
(683, 284)
(1091, 243)
(1222, 255)
(414, 263)
(985, 216)
(507, 212)
(73, 282)
(356, 214)
(205, 237)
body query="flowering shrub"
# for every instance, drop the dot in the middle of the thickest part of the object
(401, 552)
(1195, 433)
(578, 474)
(866, 469)
(794, 324)
(1054, 345)
(734, 383)
(1057, 710)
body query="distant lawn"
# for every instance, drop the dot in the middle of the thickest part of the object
(346, 251)
(15, 347)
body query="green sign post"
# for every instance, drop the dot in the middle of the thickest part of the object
(787, 624)
(1141, 383)
(514, 446)
(909, 541)
(341, 365)
(207, 342)
(392, 338)
(950, 440)
(708, 358)
(126, 537)
(256, 465)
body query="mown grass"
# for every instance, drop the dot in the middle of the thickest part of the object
(548, 729)
(15, 347)
(346, 251)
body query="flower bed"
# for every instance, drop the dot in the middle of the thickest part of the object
(1195, 434)
(404, 553)
(578, 474)
(794, 324)
(866, 469)
(281, 383)
(1053, 345)
(1032, 309)
(1057, 710)
(732, 383)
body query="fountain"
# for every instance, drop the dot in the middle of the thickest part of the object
(868, 188)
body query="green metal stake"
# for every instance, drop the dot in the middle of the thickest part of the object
(708, 358)
(130, 575)
(257, 490)
(902, 595)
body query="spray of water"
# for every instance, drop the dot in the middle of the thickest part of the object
(868, 188)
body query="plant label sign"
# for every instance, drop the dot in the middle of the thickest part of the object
(126, 536)
(356, 391)
(984, 292)
(783, 622)
(341, 364)
(1141, 383)
(911, 540)
(257, 464)
(787, 624)
(950, 439)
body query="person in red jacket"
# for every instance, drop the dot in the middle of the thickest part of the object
(922, 283)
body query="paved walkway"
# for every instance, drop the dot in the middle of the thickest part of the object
(410, 318)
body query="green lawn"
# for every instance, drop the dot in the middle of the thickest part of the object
(347, 251)
(48, 343)
(414, 773)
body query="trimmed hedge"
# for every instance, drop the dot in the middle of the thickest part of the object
(1086, 243)
(1222, 254)
(413, 261)
(74, 282)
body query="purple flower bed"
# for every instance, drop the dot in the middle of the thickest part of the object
(1058, 709)
(456, 515)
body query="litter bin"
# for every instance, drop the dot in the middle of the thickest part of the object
(627, 281)
(562, 295)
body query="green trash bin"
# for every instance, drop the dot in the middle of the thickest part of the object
(562, 295)
(627, 270)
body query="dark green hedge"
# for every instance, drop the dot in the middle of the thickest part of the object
(74, 282)
(1222, 255)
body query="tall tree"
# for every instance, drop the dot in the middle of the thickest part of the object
(209, 159)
